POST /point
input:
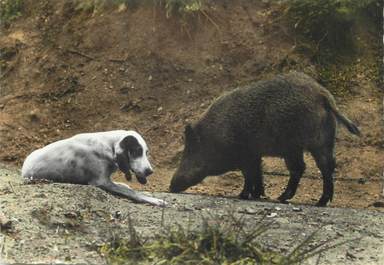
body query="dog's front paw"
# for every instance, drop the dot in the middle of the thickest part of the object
(158, 202)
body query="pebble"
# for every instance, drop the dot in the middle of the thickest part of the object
(297, 209)
(117, 215)
(248, 210)
(271, 215)
(71, 215)
(41, 195)
(350, 255)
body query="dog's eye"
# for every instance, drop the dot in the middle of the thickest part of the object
(137, 152)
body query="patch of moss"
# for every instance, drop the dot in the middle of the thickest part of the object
(10, 9)
(329, 24)
(341, 79)
(341, 38)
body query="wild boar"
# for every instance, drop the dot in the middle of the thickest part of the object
(282, 117)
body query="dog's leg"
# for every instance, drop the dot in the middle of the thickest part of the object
(125, 191)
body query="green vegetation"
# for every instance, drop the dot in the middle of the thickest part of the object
(218, 241)
(10, 9)
(182, 6)
(329, 23)
(341, 37)
(172, 7)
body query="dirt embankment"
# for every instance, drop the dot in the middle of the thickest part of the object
(68, 71)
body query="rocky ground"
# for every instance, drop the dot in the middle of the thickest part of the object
(63, 223)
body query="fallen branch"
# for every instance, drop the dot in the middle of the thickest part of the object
(78, 53)
(10, 184)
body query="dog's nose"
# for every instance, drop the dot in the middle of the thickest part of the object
(148, 172)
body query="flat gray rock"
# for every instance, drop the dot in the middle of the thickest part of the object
(63, 223)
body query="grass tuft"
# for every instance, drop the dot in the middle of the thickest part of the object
(218, 241)
(171, 7)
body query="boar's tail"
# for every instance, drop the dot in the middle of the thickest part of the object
(331, 105)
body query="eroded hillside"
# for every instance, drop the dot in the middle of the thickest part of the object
(67, 70)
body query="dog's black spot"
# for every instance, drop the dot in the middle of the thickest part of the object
(131, 145)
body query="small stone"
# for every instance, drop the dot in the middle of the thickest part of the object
(122, 8)
(187, 208)
(150, 78)
(350, 255)
(71, 215)
(297, 209)
(117, 215)
(362, 180)
(41, 195)
(271, 215)
(249, 210)
(5, 223)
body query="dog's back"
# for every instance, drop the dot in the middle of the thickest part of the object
(70, 160)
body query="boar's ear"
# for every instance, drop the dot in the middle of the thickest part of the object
(190, 135)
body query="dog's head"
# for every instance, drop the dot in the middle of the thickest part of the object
(132, 154)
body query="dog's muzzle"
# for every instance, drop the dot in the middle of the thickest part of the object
(142, 179)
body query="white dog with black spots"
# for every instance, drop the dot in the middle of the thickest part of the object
(91, 159)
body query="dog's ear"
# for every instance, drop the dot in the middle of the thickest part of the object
(127, 144)
(122, 161)
(121, 156)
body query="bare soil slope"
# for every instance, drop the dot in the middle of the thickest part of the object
(66, 71)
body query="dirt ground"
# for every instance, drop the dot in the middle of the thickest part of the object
(66, 71)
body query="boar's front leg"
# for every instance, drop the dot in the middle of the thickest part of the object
(253, 179)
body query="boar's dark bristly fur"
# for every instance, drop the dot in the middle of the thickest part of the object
(282, 117)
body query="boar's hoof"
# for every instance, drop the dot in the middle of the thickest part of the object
(322, 202)
(245, 195)
(258, 194)
(287, 194)
(283, 201)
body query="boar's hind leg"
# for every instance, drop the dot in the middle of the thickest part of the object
(296, 166)
(253, 179)
(325, 161)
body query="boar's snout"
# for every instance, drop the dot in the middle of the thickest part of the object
(177, 184)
